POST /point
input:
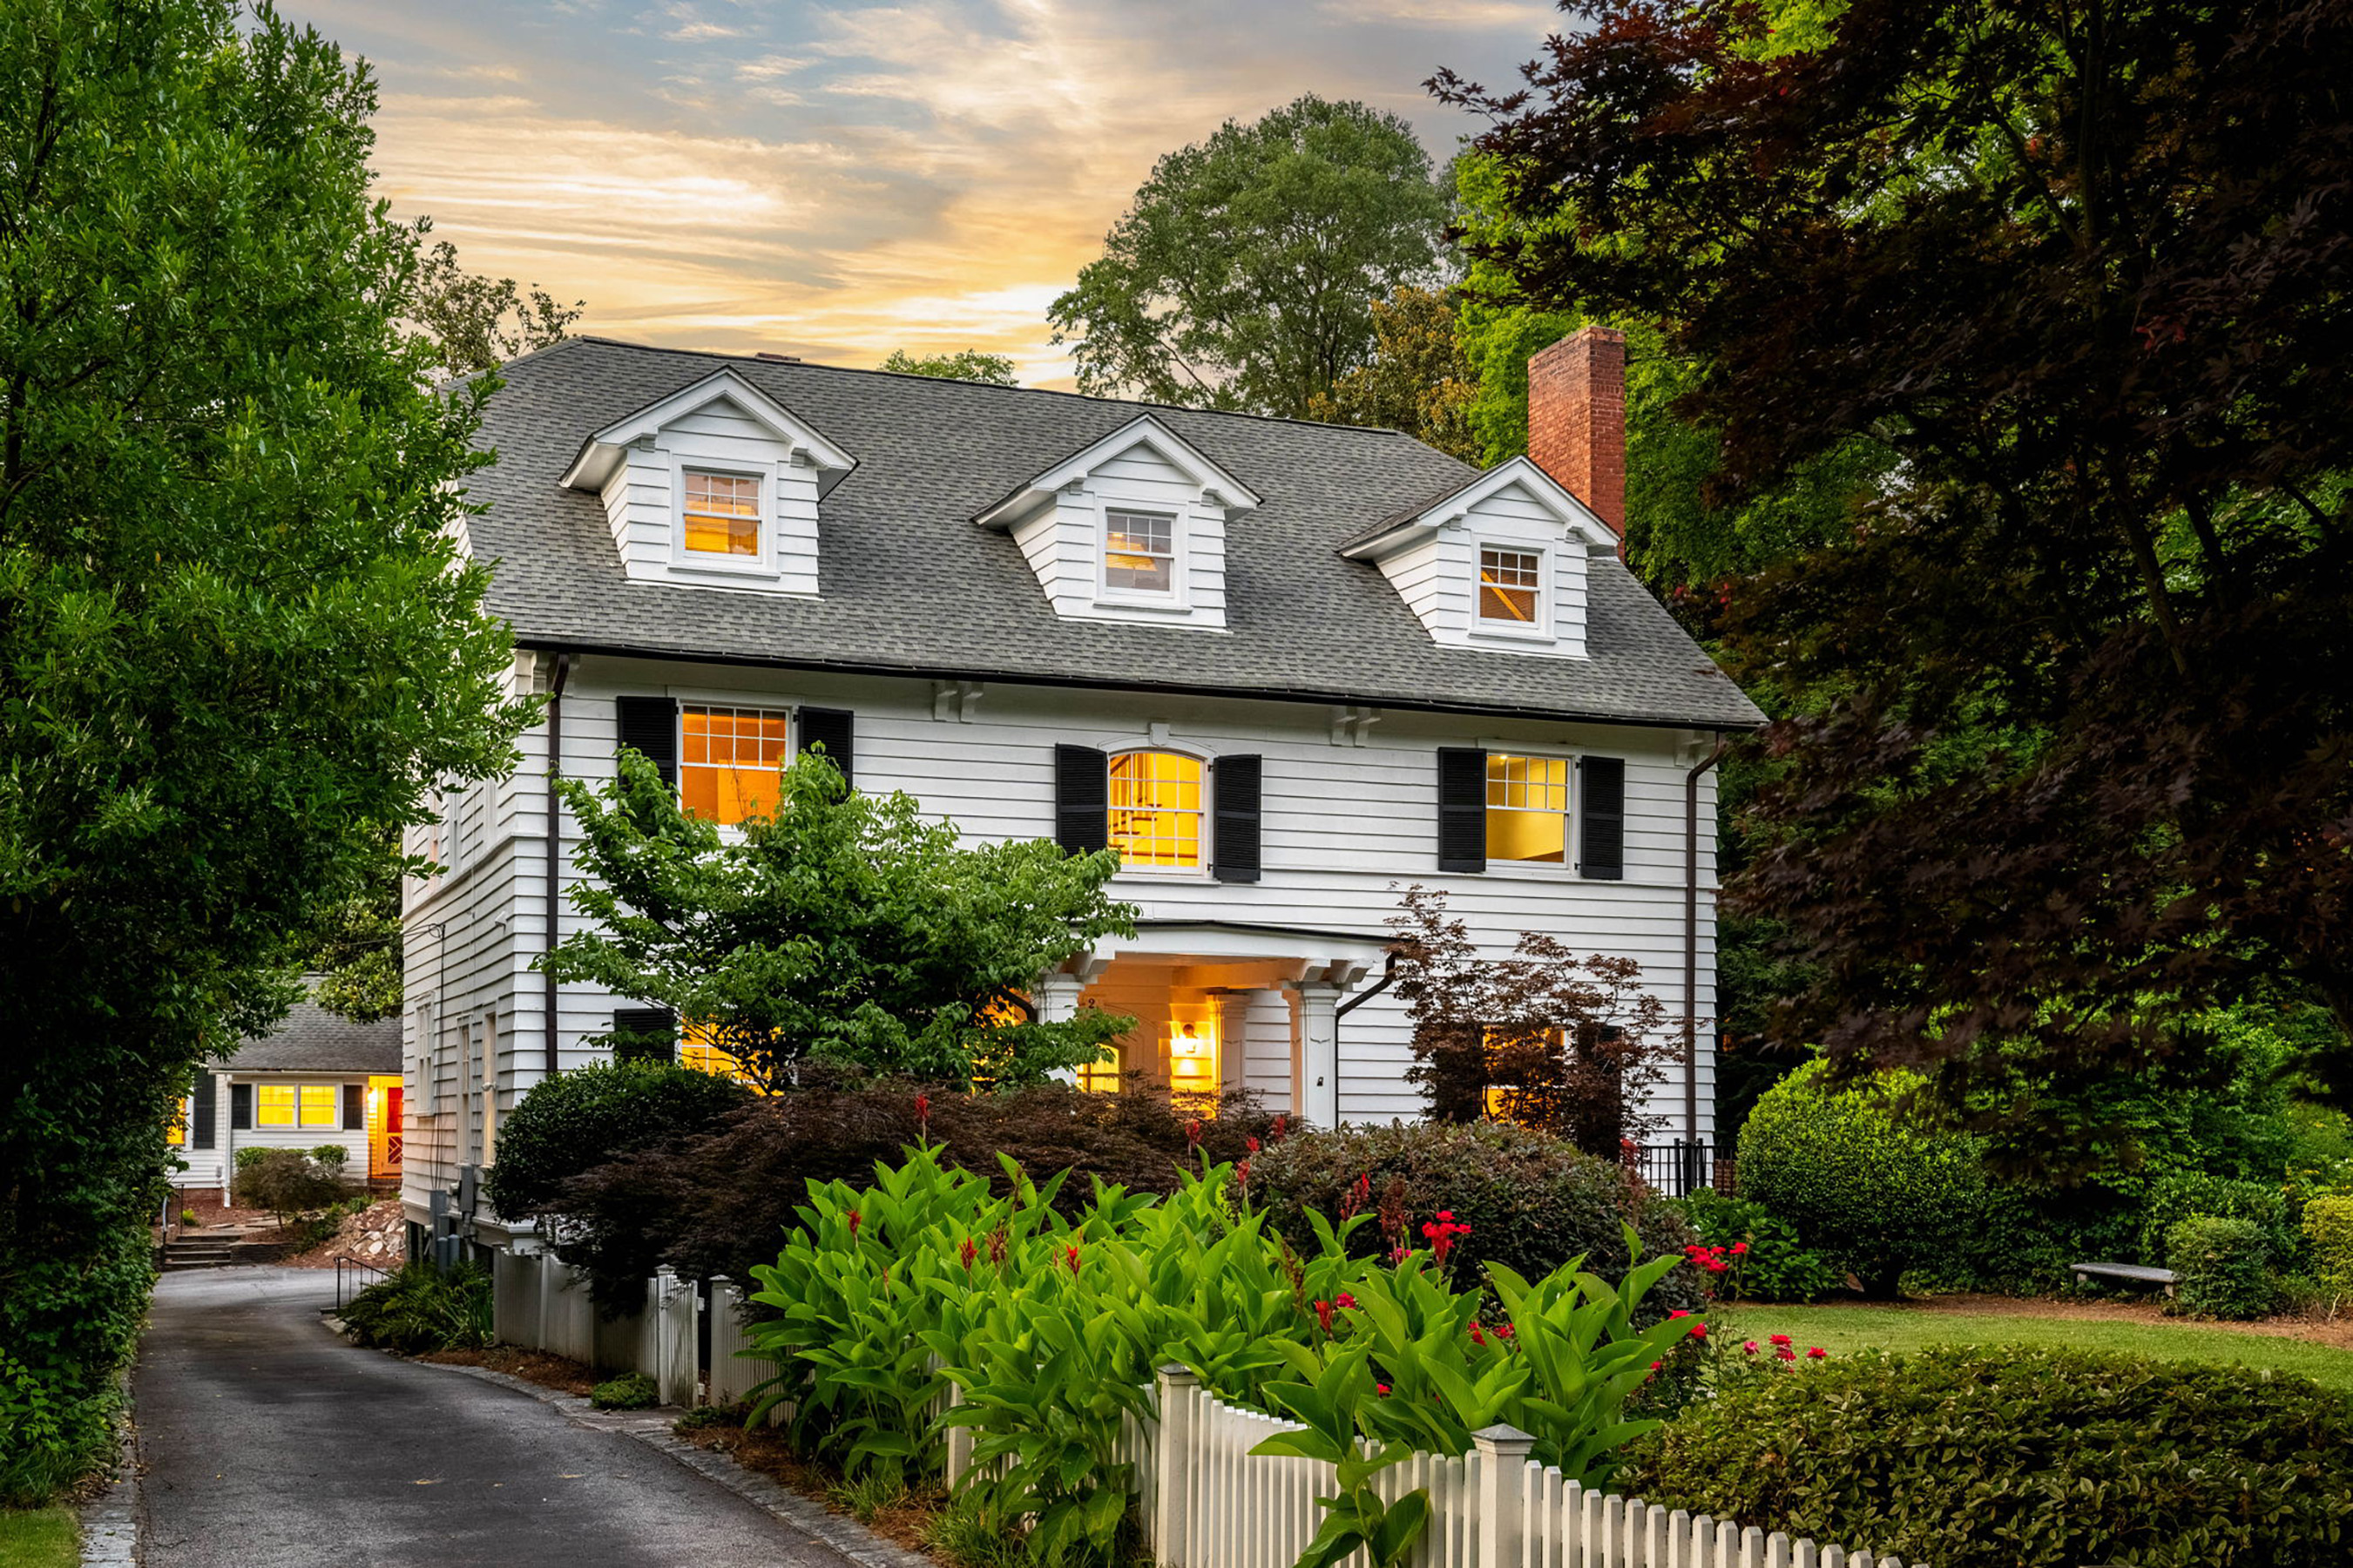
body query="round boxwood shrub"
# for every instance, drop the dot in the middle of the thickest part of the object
(1533, 1200)
(1967, 1459)
(1861, 1180)
(577, 1120)
(2179, 1195)
(2224, 1266)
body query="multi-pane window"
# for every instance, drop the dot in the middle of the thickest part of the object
(175, 1132)
(698, 1047)
(1156, 811)
(323, 1105)
(1105, 1073)
(723, 514)
(1508, 584)
(728, 760)
(1527, 808)
(1139, 553)
(273, 1105)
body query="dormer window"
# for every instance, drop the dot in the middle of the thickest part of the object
(1509, 588)
(1139, 553)
(721, 514)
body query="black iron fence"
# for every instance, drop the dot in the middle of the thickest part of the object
(1679, 1169)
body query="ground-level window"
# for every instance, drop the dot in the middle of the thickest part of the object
(1104, 1074)
(728, 759)
(699, 1047)
(1156, 811)
(175, 1130)
(1527, 808)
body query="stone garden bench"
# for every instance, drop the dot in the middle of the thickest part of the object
(2130, 1273)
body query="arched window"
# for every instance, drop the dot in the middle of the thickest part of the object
(1156, 811)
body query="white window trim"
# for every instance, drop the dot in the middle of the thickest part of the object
(762, 563)
(1178, 600)
(687, 696)
(1542, 871)
(1209, 812)
(1547, 590)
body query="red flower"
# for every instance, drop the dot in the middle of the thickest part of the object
(1250, 1144)
(1678, 1314)
(1476, 1337)
(1280, 1130)
(855, 1219)
(922, 1108)
(1748, 1345)
(1785, 1352)
(1346, 1302)
(1382, 1389)
(1739, 1249)
(1071, 1256)
(1192, 1132)
(968, 1252)
(1779, 1339)
(1657, 1364)
(1323, 1315)
(1502, 1330)
(1447, 1215)
(1699, 1330)
(1241, 1173)
(1815, 1353)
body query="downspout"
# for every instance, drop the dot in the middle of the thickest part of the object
(1691, 937)
(1388, 978)
(555, 833)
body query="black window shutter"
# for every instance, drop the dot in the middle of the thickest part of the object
(645, 1035)
(200, 1117)
(834, 728)
(1234, 851)
(649, 726)
(240, 1107)
(1461, 809)
(354, 1108)
(1081, 799)
(1601, 838)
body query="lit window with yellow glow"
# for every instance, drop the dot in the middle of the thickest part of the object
(727, 762)
(1508, 584)
(1156, 811)
(723, 514)
(699, 1049)
(1527, 808)
(1192, 1058)
(1139, 553)
(323, 1105)
(1103, 1075)
(273, 1105)
(175, 1130)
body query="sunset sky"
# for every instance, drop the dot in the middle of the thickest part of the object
(837, 180)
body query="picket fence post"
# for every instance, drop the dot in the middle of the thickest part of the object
(1176, 1463)
(1502, 1452)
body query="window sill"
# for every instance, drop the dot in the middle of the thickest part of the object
(1489, 632)
(1200, 874)
(720, 566)
(1149, 606)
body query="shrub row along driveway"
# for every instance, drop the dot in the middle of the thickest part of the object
(268, 1442)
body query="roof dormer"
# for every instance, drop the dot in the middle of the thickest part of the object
(715, 486)
(1132, 527)
(1497, 562)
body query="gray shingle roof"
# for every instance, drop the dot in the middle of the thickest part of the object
(910, 584)
(312, 1039)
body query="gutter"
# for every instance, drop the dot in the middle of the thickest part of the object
(1691, 936)
(554, 831)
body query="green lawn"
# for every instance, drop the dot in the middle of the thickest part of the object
(39, 1538)
(1899, 1328)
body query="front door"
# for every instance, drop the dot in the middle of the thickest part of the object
(384, 1127)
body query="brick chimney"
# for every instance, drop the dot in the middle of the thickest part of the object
(1576, 419)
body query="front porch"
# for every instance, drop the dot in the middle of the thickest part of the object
(1221, 1005)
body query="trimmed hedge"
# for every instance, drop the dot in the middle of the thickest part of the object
(1533, 1200)
(2225, 1267)
(2329, 1232)
(2023, 1460)
(2180, 1194)
(1860, 1182)
(578, 1120)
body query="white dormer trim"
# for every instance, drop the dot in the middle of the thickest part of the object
(641, 467)
(1060, 519)
(1431, 556)
(602, 453)
(1222, 492)
(1456, 506)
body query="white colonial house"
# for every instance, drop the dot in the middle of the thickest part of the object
(1286, 668)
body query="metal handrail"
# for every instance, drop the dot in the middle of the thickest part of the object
(356, 1263)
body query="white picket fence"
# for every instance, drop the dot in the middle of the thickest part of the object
(1207, 1502)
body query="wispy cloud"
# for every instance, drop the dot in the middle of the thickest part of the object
(838, 180)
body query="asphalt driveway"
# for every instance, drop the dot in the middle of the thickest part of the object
(267, 1441)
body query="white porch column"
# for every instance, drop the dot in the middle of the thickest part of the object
(1056, 997)
(1233, 1037)
(1315, 1005)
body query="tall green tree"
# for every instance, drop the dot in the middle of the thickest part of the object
(1243, 274)
(963, 365)
(479, 323)
(1417, 379)
(238, 640)
(2071, 753)
(845, 929)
